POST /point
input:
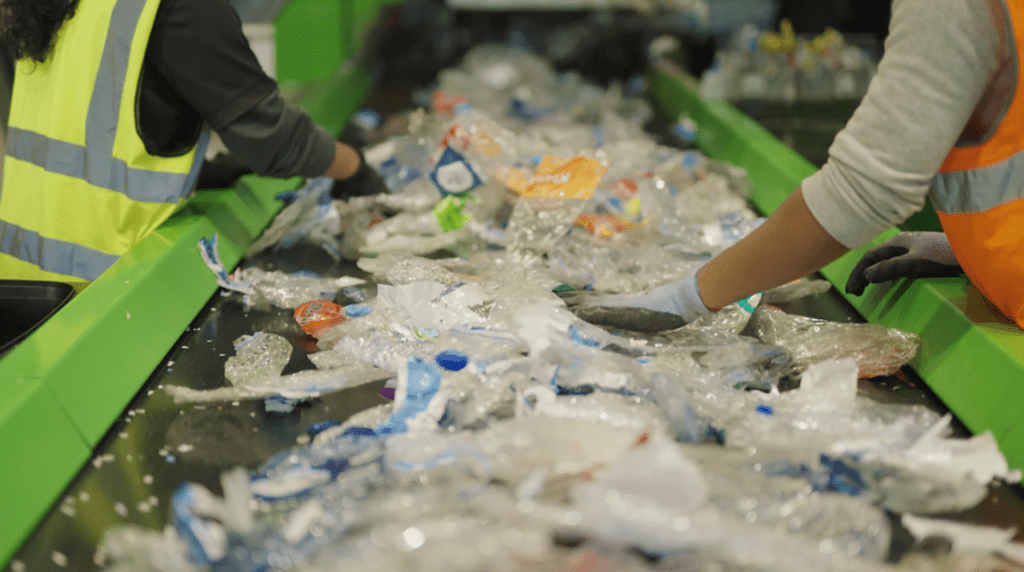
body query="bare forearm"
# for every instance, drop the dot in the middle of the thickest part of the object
(789, 245)
(346, 162)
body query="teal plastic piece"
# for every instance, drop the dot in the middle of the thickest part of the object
(971, 356)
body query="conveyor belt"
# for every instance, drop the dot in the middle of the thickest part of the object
(157, 444)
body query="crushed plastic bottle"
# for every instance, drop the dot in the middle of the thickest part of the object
(878, 350)
(258, 357)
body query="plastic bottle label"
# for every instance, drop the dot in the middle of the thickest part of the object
(453, 174)
(319, 316)
(559, 178)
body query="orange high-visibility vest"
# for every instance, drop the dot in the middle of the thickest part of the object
(979, 196)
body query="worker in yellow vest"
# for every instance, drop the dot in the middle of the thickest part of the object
(943, 117)
(112, 107)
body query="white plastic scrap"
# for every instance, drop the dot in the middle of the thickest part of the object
(966, 537)
(300, 385)
(978, 456)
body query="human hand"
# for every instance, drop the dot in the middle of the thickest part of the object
(662, 308)
(365, 181)
(906, 255)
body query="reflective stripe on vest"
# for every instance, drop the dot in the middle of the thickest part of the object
(98, 169)
(53, 255)
(980, 189)
(979, 196)
(79, 187)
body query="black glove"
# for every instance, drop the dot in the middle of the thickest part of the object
(906, 255)
(365, 181)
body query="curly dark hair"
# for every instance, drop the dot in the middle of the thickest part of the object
(28, 28)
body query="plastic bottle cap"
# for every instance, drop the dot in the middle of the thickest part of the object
(452, 360)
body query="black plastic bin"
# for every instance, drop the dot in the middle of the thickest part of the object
(25, 305)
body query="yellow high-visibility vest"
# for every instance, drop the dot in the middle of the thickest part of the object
(79, 188)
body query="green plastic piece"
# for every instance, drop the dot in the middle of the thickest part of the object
(564, 288)
(449, 215)
(971, 356)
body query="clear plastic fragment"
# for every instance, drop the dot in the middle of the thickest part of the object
(878, 350)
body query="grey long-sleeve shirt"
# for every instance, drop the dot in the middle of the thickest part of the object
(199, 67)
(943, 61)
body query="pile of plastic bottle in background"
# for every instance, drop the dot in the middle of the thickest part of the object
(522, 438)
(780, 66)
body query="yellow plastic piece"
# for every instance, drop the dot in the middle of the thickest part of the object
(784, 41)
(559, 178)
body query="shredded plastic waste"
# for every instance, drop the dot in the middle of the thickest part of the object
(518, 431)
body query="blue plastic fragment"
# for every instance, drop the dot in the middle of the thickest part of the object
(580, 339)
(842, 478)
(453, 174)
(636, 86)
(367, 119)
(423, 382)
(357, 310)
(278, 404)
(452, 360)
(717, 434)
(197, 532)
(317, 428)
(287, 197)
(356, 430)
(764, 409)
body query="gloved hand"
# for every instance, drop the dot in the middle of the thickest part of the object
(365, 181)
(662, 308)
(906, 255)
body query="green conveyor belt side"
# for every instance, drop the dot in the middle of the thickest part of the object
(971, 356)
(64, 386)
(331, 103)
(67, 383)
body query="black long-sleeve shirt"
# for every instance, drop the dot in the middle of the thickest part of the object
(199, 67)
